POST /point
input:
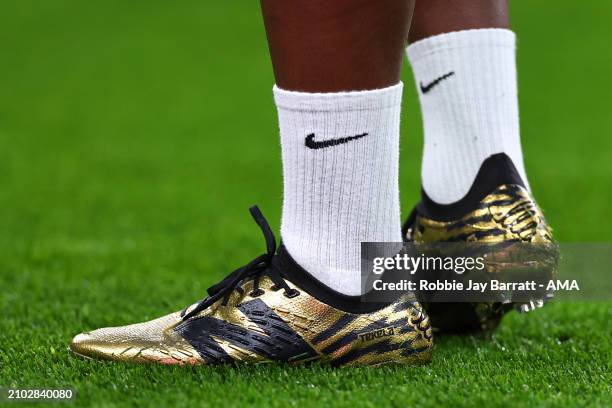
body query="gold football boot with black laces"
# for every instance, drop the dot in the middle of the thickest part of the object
(498, 211)
(271, 310)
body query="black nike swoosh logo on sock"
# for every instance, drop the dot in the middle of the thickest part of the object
(312, 144)
(432, 84)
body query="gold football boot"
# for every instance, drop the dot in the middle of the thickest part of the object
(499, 212)
(271, 310)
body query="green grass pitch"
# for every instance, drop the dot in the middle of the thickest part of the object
(133, 137)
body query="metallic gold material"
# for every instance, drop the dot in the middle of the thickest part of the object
(151, 341)
(509, 214)
(270, 327)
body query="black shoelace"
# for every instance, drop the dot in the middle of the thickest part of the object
(262, 265)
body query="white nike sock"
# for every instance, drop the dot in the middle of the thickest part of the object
(471, 112)
(341, 185)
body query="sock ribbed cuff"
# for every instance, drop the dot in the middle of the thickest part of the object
(338, 101)
(482, 37)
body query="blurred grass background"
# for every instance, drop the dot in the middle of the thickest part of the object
(133, 137)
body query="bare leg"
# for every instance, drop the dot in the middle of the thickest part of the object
(331, 46)
(433, 17)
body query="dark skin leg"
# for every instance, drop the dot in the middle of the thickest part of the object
(433, 17)
(340, 45)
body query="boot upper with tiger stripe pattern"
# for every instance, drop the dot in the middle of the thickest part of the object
(497, 209)
(271, 310)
